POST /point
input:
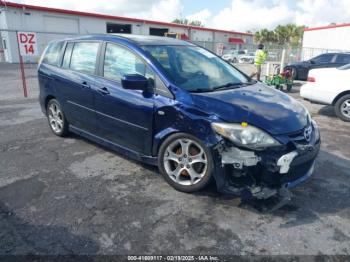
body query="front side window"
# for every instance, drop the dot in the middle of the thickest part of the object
(120, 61)
(52, 54)
(194, 68)
(326, 58)
(84, 56)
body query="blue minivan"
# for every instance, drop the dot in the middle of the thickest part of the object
(173, 104)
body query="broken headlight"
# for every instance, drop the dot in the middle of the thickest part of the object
(245, 135)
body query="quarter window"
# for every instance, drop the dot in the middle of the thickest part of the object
(84, 57)
(120, 61)
(52, 54)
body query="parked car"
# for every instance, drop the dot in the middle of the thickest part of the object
(171, 103)
(330, 86)
(233, 55)
(247, 58)
(300, 70)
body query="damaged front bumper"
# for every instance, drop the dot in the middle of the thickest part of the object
(263, 174)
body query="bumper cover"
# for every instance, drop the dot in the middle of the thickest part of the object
(262, 174)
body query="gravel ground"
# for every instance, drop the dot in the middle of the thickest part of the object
(71, 196)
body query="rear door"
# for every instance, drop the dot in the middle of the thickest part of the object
(124, 117)
(77, 81)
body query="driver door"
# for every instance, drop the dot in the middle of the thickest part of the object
(124, 117)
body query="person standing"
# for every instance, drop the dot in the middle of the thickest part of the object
(260, 57)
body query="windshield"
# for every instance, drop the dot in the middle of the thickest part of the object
(195, 69)
(345, 67)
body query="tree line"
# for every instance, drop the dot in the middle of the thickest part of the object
(184, 21)
(289, 34)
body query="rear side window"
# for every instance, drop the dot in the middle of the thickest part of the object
(120, 61)
(52, 54)
(343, 59)
(84, 56)
(67, 55)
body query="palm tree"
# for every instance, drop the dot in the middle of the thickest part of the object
(264, 36)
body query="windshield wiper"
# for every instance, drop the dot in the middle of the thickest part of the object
(200, 90)
(229, 85)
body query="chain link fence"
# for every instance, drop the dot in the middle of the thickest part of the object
(9, 52)
(309, 53)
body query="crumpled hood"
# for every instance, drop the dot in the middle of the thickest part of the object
(258, 105)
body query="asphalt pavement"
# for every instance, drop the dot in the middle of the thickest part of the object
(71, 196)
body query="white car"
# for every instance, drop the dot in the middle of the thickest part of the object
(330, 86)
(248, 58)
(233, 55)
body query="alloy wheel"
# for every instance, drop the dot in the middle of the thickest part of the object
(185, 161)
(55, 118)
(345, 108)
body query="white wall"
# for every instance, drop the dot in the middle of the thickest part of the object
(64, 25)
(337, 38)
(201, 35)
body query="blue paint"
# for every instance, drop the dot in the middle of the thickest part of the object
(136, 122)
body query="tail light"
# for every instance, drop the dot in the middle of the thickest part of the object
(311, 79)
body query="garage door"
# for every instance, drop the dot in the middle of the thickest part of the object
(61, 24)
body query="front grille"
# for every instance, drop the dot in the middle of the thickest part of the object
(299, 137)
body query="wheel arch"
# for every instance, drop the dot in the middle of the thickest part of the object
(161, 137)
(347, 92)
(47, 99)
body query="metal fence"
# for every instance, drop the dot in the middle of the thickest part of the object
(309, 53)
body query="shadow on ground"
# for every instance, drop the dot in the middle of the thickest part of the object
(327, 111)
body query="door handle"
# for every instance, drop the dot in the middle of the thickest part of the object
(85, 85)
(103, 90)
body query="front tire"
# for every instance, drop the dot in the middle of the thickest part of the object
(56, 118)
(185, 162)
(342, 108)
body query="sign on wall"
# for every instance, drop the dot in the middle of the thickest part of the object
(28, 44)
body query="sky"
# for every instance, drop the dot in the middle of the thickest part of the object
(238, 15)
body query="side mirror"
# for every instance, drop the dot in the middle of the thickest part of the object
(312, 62)
(134, 82)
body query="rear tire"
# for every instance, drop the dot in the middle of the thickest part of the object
(342, 108)
(185, 162)
(57, 120)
